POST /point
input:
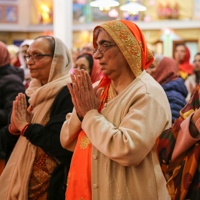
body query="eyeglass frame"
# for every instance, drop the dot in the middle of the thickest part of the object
(106, 47)
(32, 56)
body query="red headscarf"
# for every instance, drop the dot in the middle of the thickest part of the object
(166, 71)
(4, 55)
(185, 66)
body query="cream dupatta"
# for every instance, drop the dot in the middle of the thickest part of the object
(14, 181)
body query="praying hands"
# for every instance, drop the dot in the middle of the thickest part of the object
(84, 96)
(21, 116)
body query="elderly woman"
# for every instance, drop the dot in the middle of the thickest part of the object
(38, 164)
(86, 62)
(113, 138)
(165, 72)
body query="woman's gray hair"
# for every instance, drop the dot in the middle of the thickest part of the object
(98, 30)
(51, 42)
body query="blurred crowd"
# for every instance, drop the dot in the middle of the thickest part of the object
(49, 109)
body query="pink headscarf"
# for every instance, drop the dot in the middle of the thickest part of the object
(4, 55)
(166, 71)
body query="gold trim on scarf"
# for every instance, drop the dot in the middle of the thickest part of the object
(84, 142)
(127, 44)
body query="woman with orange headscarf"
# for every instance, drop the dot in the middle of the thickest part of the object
(113, 137)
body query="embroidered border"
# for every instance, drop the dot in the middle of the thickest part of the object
(84, 142)
(126, 43)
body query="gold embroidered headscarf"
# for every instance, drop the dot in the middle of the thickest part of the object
(131, 43)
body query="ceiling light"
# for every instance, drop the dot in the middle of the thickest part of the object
(133, 8)
(104, 5)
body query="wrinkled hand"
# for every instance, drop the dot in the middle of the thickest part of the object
(20, 115)
(84, 96)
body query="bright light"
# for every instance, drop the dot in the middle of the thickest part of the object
(45, 16)
(133, 12)
(104, 9)
(45, 8)
(104, 3)
(113, 13)
(167, 31)
(133, 7)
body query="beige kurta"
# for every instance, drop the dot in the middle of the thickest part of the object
(124, 161)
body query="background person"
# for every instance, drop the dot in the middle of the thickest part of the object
(182, 58)
(87, 48)
(86, 62)
(165, 72)
(38, 165)
(22, 52)
(11, 83)
(113, 137)
(193, 80)
(178, 152)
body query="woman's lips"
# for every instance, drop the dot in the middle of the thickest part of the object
(102, 65)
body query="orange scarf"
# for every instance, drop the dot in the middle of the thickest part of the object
(132, 45)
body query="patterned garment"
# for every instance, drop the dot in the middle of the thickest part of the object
(183, 176)
(43, 167)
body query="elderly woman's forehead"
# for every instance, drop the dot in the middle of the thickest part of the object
(103, 35)
(40, 44)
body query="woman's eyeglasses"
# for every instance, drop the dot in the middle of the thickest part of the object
(35, 57)
(103, 48)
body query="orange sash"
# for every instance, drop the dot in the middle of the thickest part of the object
(79, 176)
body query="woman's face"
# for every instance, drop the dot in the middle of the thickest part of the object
(82, 63)
(40, 69)
(24, 50)
(196, 63)
(180, 53)
(111, 61)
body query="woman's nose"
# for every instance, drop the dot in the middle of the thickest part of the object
(30, 61)
(97, 54)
